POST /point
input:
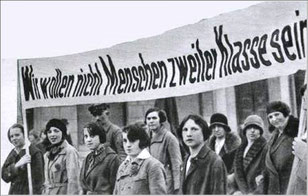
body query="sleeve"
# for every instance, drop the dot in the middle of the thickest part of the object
(9, 172)
(119, 144)
(73, 169)
(114, 165)
(219, 178)
(37, 170)
(81, 177)
(174, 154)
(157, 180)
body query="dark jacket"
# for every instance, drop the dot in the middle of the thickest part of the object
(206, 175)
(227, 153)
(114, 138)
(247, 169)
(18, 177)
(98, 172)
(166, 148)
(279, 159)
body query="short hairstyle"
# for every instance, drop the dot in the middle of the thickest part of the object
(278, 106)
(161, 114)
(200, 122)
(136, 132)
(95, 129)
(16, 125)
(97, 109)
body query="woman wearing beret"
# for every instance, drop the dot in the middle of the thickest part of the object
(140, 173)
(14, 169)
(249, 158)
(279, 157)
(99, 169)
(61, 162)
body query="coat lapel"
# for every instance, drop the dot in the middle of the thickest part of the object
(158, 137)
(253, 151)
(268, 159)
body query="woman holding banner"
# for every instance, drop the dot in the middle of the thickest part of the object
(14, 169)
(61, 162)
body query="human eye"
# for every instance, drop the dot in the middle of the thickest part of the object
(125, 140)
(185, 129)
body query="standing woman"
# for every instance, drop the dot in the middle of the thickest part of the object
(99, 169)
(61, 162)
(249, 158)
(204, 171)
(279, 157)
(165, 147)
(140, 173)
(14, 169)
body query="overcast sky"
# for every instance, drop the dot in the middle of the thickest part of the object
(54, 28)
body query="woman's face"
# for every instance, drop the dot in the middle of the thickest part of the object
(218, 131)
(192, 134)
(252, 133)
(132, 149)
(17, 138)
(152, 121)
(54, 135)
(92, 142)
(277, 119)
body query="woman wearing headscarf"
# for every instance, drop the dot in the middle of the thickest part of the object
(249, 158)
(165, 147)
(61, 162)
(279, 157)
(14, 169)
(140, 173)
(99, 169)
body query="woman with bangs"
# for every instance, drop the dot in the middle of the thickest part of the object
(140, 173)
(98, 172)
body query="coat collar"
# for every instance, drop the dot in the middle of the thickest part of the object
(232, 142)
(99, 157)
(195, 162)
(159, 136)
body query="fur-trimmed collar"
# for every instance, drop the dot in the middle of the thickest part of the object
(232, 142)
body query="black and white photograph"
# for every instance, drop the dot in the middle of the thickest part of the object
(154, 97)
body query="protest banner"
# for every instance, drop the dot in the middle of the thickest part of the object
(263, 41)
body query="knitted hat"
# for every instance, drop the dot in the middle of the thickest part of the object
(253, 120)
(58, 124)
(97, 109)
(278, 106)
(220, 119)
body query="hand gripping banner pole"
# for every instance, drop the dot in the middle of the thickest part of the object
(27, 151)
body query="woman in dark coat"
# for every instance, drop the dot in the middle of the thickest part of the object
(99, 169)
(14, 169)
(249, 158)
(279, 157)
(223, 141)
(204, 171)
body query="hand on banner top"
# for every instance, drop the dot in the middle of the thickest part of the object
(299, 148)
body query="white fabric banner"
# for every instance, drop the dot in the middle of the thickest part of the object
(263, 41)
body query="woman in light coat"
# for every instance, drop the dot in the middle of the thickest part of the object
(249, 158)
(140, 173)
(165, 147)
(99, 169)
(61, 162)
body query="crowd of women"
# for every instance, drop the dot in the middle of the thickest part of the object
(217, 160)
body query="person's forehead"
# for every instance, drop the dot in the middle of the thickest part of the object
(15, 130)
(274, 113)
(154, 113)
